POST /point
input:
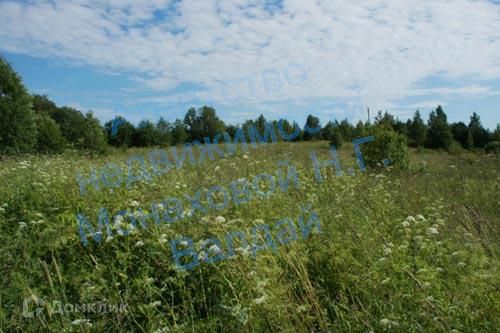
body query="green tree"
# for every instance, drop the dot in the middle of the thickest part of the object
(360, 130)
(336, 138)
(49, 139)
(179, 133)
(18, 123)
(417, 131)
(462, 134)
(326, 131)
(202, 123)
(496, 134)
(386, 119)
(480, 135)
(93, 137)
(346, 130)
(146, 134)
(312, 122)
(124, 135)
(192, 124)
(387, 145)
(439, 134)
(211, 124)
(71, 122)
(164, 129)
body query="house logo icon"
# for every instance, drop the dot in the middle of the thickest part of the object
(33, 306)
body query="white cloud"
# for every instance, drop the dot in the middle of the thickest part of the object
(379, 49)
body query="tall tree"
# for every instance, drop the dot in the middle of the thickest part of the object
(49, 139)
(360, 130)
(439, 134)
(417, 130)
(93, 138)
(123, 133)
(496, 134)
(145, 134)
(211, 124)
(386, 120)
(18, 124)
(480, 135)
(164, 129)
(312, 122)
(179, 133)
(192, 124)
(346, 130)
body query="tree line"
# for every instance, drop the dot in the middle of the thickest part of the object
(33, 123)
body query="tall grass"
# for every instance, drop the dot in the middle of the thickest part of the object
(413, 251)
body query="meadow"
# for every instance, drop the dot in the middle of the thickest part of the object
(399, 251)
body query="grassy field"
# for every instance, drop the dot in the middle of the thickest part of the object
(413, 251)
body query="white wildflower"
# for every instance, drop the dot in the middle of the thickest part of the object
(134, 203)
(410, 219)
(118, 220)
(109, 239)
(217, 168)
(139, 244)
(214, 248)
(245, 157)
(22, 225)
(385, 322)
(260, 300)
(420, 217)
(155, 304)
(220, 219)
(461, 264)
(405, 224)
(432, 231)
(387, 251)
(184, 243)
(81, 321)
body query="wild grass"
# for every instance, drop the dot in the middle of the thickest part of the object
(413, 251)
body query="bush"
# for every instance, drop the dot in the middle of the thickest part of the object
(49, 138)
(455, 148)
(387, 145)
(493, 147)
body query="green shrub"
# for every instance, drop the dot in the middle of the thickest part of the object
(387, 145)
(493, 147)
(455, 148)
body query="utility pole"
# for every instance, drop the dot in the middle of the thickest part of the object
(369, 122)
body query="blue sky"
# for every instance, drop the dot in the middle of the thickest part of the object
(145, 59)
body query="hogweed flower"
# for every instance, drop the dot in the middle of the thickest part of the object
(432, 231)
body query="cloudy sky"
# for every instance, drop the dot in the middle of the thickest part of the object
(145, 59)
